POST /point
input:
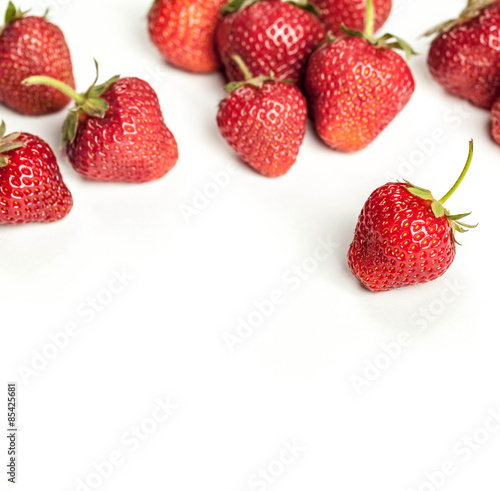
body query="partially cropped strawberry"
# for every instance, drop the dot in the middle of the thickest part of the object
(495, 120)
(264, 121)
(404, 236)
(270, 36)
(184, 32)
(116, 131)
(351, 14)
(31, 45)
(31, 185)
(465, 57)
(356, 85)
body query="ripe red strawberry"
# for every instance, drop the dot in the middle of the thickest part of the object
(116, 131)
(32, 46)
(184, 32)
(264, 121)
(31, 186)
(356, 86)
(351, 14)
(465, 57)
(270, 36)
(404, 236)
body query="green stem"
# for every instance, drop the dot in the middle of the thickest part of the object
(242, 67)
(370, 19)
(51, 82)
(462, 175)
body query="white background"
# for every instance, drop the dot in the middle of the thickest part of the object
(294, 377)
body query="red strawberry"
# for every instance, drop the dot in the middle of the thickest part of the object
(32, 46)
(116, 131)
(31, 186)
(184, 32)
(404, 236)
(264, 121)
(356, 86)
(270, 37)
(351, 13)
(465, 57)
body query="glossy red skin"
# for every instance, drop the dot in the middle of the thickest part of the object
(184, 32)
(465, 60)
(265, 126)
(131, 143)
(351, 13)
(31, 185)
(269, 36)
(33, 46)
(398, 240)
(355, 90)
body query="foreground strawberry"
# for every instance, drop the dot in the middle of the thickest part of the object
(32, 46)
(351, 14)
(116, 131)
(404, 236)
(356, 85)
(270, 36)
(184, 32)
(264, 121)
(31, 186)
(465, 57)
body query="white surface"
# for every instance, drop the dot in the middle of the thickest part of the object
(162, 336)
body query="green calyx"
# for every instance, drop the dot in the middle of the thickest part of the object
(89, 103)
(389, 41)
(437, 205)
(235, 5)
(7, 143)
(256, 82)
(12, 13)
(472, 10)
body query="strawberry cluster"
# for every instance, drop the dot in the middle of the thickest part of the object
(284, 60)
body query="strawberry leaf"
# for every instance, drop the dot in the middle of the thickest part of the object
(70, 126)
(7, 144)
(396, 43)
(458, 217)
(98, 90)
(12, 13)
(305, 5)
(421, 193)
(438, 209)
(353, 32)
(235, 5)
(95, 107)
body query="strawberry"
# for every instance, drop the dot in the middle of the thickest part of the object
(32, 46)
(356, 86)
(351, 14)
(270, 36)
(465, 57)
(31, 186)
(116, 131)
(404, 236)
(184, 31)
(264, 121)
